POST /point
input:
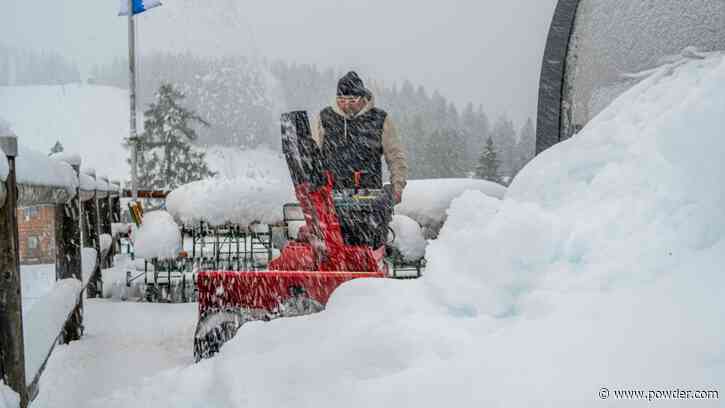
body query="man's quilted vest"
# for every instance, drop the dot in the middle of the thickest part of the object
(352, 145)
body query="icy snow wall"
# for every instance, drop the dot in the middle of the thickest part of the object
(594, 44)
(602, 267)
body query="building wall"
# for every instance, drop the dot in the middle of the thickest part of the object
(36, 233)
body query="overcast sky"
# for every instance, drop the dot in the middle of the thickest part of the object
(484, 51)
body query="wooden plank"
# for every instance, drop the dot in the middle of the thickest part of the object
(12, 352)
(69, 262)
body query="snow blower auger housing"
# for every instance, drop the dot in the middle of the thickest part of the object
(342, 239)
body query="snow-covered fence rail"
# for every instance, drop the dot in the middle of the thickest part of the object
(84, 208)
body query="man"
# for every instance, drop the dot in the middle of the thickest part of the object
(353, 135)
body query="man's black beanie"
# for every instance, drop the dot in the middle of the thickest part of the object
(351, 85)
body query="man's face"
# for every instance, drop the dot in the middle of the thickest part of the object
(351, 105)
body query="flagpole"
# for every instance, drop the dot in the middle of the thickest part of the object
(132, 94)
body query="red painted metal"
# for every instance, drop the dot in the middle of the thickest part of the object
(315, 267)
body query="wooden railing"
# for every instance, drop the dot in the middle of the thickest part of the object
(80, 220)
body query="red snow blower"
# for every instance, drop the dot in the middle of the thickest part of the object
(343, 239)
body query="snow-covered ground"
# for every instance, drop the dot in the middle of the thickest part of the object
(602, 267)
(124, 343)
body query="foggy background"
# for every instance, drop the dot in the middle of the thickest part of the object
(485, 52)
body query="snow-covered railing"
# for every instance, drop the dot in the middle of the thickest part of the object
(28, 178)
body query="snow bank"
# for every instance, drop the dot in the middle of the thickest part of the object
(44, 320)
(427, 200)
(251, 187)
(8, 397)
(408, 237)
(158, 237)
(37, 169)
(602, 267)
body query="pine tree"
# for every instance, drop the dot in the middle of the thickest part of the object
(166, 158)
(525, 147)
(488, 163)
(504, 138)
(57, 148)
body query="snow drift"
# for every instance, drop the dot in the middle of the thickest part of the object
(602, 267)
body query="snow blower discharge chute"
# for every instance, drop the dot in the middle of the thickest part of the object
(343, 239)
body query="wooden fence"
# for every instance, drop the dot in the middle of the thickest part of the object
(81, 219)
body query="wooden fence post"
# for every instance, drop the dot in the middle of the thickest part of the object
(69, 255)
(12, 351)
(104, 222)
(92, 238)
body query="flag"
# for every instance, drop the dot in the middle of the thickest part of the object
(139, 6)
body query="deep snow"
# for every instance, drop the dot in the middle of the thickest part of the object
(602, 267)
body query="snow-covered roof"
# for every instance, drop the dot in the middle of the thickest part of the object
(34, 168)
(157, 237)
(427, 200)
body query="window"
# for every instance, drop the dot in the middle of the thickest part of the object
(30, 212)
(33, 243)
